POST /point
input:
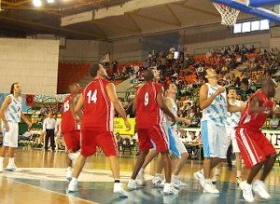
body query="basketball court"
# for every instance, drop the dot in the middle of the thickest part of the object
(40, 177)
(43, 181)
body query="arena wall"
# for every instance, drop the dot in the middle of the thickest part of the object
(80, 50)
(33, 63)
(127, 49)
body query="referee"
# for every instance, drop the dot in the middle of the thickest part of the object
(49, 128)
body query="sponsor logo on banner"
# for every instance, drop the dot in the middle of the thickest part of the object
(119, 126)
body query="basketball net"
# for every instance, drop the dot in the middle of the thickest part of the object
(229, 15)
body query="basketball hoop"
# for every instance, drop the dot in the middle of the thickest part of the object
(229, 15)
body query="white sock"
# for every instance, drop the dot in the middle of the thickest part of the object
(11, 160)
(217, 171)
(158, 175)
(69, 168)
(167, 185)
(238, 174)
(141, 171)
(75, 180)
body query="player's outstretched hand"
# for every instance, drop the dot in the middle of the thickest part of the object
(29, 124)
(127, 125)
(220, 90)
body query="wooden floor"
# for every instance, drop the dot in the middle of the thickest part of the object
(41, 178)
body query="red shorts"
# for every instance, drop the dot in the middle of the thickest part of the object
(155, 133)
(254, 146)
(105, 140)
(72, 140)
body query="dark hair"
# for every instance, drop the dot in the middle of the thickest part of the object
(93, 70)
(72, 85)
(245, 81)
(148, 75)
(13, 88)
(230, 88)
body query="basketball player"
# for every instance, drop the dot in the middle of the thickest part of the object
(256, 150)
(98, 101)
(70, 127)
(177, 148)
(213, 102)
(149, 104)
(11, 112)
(231, 122)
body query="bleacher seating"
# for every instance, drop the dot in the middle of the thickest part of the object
(69, 72)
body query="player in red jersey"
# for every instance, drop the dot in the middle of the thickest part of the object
(256, 150)
(150, 106)
(98, 101)
(70, 127)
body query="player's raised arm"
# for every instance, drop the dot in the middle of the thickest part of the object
(205, 101)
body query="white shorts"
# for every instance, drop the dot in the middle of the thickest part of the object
(180, 145)
(176, 146)
(10, 139)
(214, 140)
(231, 134)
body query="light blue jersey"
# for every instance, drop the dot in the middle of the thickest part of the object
(13, 112)
(214, 140)
(233, 118)
(216, 112)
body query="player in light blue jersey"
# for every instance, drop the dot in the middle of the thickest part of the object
(231, 122)
(11, 113)
(214, 105)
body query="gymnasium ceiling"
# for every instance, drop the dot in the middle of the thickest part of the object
(20, 18)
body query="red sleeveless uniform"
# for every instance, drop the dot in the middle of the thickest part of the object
(98, 109)
(69, 127)
(149, 118)
(68, 123)
(253, 144)
(97, 122)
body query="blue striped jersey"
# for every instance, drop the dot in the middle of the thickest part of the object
(233, 118)
(217, 110)
(13, 111)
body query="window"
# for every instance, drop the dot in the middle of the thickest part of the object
(255, 25)
(250, 26)
(264, 25)
(237, 28)
(246, 27)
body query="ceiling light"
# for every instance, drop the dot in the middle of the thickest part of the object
(37, 3)
(50, 1)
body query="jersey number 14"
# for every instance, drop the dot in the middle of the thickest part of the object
(92, 96)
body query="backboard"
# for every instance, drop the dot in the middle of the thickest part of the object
(260, 8)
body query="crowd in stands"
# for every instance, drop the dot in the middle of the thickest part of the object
(237, 66)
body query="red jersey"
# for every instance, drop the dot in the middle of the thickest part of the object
(98, 109)
(68, 122)
(255, 120)
(148, 112)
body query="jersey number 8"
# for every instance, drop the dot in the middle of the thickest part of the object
(66, 106)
